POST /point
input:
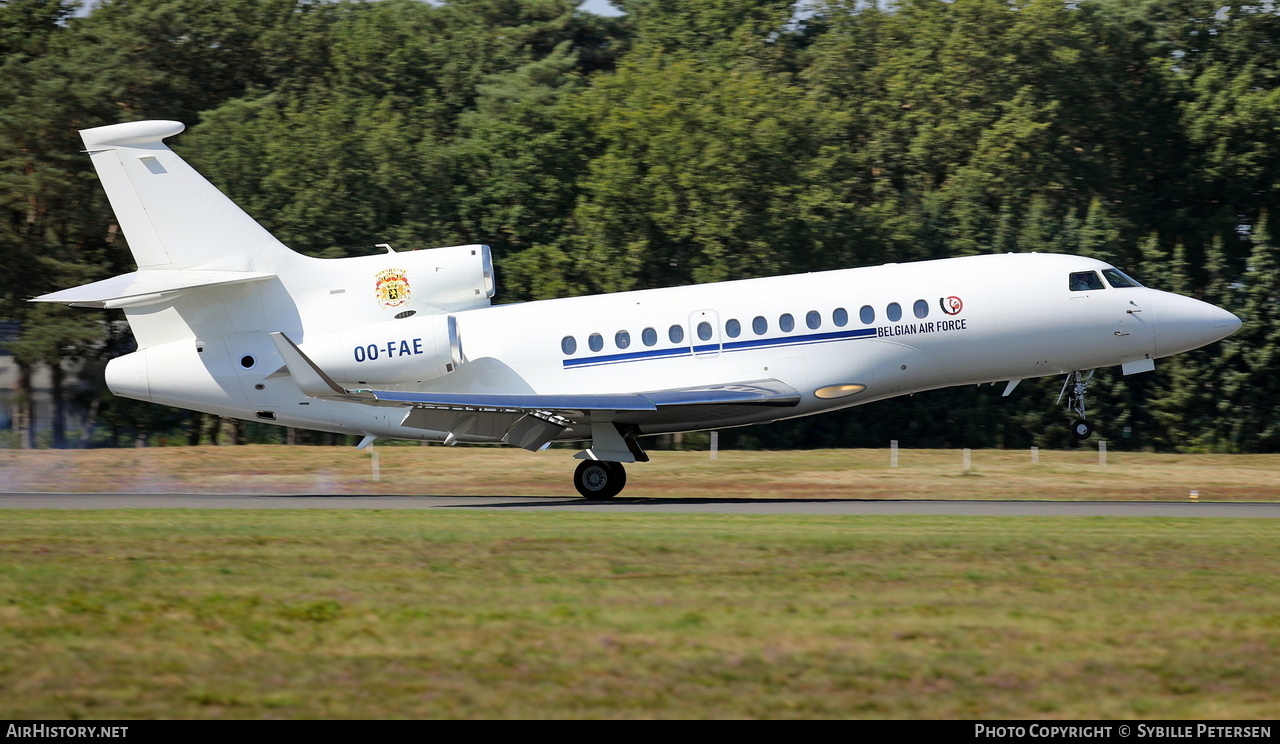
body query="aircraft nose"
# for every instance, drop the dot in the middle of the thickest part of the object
(1185, 323)
(1229, 321)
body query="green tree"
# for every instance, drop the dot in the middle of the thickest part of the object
(703, 174)
(1251, 387)
(517, 158)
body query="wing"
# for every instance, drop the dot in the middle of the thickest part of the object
(533, 420)
(754, 393)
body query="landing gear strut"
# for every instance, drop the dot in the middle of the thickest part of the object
(1078, 382)
(600, 475)
(599, 479)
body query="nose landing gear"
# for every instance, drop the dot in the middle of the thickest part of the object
(1078, 382)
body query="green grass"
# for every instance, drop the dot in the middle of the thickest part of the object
(366, 613)
(819, 474)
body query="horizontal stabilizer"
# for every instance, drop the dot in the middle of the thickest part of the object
(147, 287)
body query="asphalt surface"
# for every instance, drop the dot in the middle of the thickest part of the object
(1250, 510)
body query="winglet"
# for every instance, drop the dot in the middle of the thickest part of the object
(311, 380)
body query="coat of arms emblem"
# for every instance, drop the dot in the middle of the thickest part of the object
(392, 288)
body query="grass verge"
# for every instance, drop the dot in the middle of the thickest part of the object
(375, 614)
(922, 474)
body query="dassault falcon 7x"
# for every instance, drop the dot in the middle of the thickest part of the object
(230, 321)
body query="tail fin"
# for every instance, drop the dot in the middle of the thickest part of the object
(172, 217)
(206, 269)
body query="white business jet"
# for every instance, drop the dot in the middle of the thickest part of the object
(231, 322)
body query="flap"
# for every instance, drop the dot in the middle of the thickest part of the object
(573, 406)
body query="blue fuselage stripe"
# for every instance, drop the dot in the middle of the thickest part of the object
(731, 346)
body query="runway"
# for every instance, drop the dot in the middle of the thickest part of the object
(1247, 510)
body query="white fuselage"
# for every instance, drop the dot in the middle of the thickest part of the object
(232, 322)
(887, 330)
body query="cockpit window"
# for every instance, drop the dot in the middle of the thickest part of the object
(1083, 281)
(1119, 279)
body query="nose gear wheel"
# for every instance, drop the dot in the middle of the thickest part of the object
(1078, 383)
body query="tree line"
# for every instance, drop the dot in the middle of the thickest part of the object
(685, 141)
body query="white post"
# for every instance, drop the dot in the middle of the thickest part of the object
(1102, 453)
(715, 445)
(377, 471)
(967, 460)
(1035, 454)
(893, 453)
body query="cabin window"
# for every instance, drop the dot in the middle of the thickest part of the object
(1083, 281)
(813, 319)
(1119, 279)
(676, 334)
(921, 309)
(733, 328)
(568, 345)
(840, 317)
(893, 312)
(760, 326)
(649, 337)
(867, 315)
(622, 339)
(786, 323)
(595, 341)
(704, 331)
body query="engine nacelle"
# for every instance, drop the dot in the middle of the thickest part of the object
(448, 279)
(339, 294)
(409, 350)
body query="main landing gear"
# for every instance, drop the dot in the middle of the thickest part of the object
(598, 480)
(1078, 382)
(600, 475)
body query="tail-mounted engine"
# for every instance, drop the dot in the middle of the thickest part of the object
(407, 351)
(437, 279)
